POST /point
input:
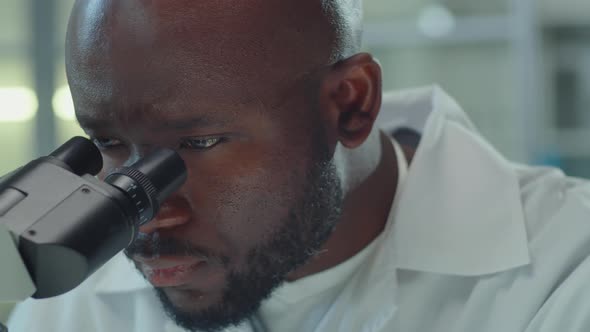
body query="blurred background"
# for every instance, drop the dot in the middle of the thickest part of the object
(520, 69)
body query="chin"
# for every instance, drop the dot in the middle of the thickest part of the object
(194, 310)
(190, 300)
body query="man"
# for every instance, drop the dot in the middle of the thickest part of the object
(299, 214)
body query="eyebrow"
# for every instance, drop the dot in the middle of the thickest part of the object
(191, 122)
(163, 124)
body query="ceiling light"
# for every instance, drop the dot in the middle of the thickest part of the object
(17, 104)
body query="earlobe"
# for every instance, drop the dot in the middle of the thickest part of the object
(352, 93)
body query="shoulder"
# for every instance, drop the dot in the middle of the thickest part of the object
(567, 307)
(557, 216)
(555, 206)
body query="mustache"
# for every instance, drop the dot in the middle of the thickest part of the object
(152, 246)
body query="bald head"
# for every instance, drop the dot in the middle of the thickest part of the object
(255, 39)
(346, 26)
(256, 96)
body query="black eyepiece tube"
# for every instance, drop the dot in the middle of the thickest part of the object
(150, 181)
(165, 169)
(80, 155)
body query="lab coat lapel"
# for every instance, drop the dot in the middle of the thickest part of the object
(459, 210)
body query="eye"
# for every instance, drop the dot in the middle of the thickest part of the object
(105, 143)
(200, 143)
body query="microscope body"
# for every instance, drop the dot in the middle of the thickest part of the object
(44, 222)
(16, 284)
(59, 224)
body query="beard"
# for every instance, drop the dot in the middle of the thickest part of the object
(307, 226)
(305, 230)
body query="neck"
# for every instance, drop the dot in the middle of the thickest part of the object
(369, 180)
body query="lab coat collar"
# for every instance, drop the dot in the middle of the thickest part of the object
(456, 212)
(459, 211)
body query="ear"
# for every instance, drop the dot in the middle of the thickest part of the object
(351, 98)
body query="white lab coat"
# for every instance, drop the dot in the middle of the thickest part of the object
(473, 243)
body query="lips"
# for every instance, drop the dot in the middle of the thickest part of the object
(170, 271)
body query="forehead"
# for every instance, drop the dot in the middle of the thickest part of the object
(214, 51)
(179, 98)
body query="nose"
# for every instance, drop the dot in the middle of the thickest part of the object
(173, 213)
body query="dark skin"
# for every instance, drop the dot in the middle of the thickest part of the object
(227, 84)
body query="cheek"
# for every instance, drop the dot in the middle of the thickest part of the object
(244, 201)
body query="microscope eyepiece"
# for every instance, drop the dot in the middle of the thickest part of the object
(80, 155)
(68, 223)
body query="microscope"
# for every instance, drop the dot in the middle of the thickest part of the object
(59, 223)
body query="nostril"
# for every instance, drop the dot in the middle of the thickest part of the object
(173, 206)
(148, 228)
(174, 212)
(163, 222)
